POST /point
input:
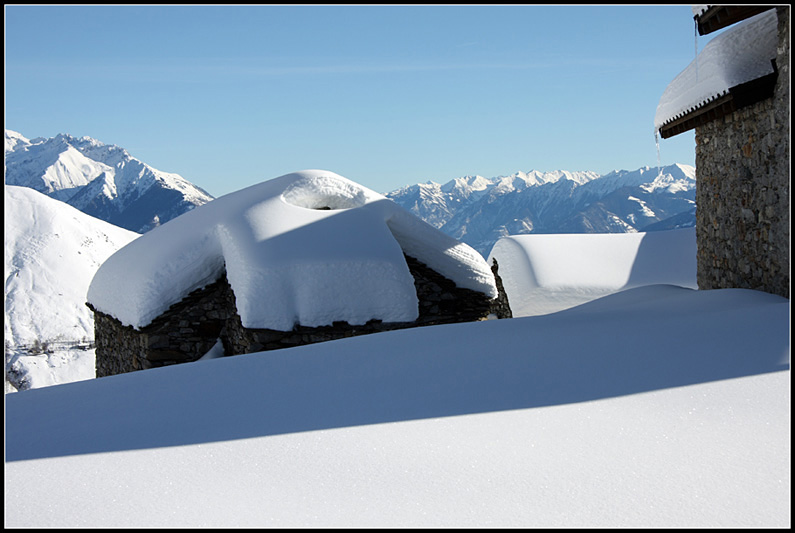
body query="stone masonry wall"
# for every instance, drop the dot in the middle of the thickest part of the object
(118, 348)
(190, 328)
(742, 191)
(185, 332)
(440, 302)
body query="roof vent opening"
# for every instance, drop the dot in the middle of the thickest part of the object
(324, 193)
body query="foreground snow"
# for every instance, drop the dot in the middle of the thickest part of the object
(658, 406)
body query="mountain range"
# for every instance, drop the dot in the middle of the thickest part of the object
(478, 210)
(101, 180)
(105, 181)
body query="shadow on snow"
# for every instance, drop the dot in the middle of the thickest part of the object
(639, 340)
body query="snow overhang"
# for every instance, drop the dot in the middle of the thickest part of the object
(734, 70)
(307, 248)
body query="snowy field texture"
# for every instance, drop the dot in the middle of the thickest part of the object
(658, 406)
(545, 273)
(58, 363)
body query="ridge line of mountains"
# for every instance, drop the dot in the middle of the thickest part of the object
(101, 180)
(479, 211)
(106, 182)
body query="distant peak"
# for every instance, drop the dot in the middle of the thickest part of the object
(469, 182)
(11, 134)
(14, 139)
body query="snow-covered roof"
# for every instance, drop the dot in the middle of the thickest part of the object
(546, 273)
(739, 55)
(287, 260)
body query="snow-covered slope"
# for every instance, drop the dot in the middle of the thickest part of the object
(659, 406)
(101, 180)
(479, 211)
(52, 251)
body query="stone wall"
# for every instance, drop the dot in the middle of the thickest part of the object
(190, 328)
(440, 302)
(742, 191)
(185, 332)
(118, 348)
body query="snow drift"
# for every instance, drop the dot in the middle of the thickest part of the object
(544, 273)
(658, 406)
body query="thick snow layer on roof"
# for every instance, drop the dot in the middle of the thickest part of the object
(738, 55)
(546, 273)
(287, 260)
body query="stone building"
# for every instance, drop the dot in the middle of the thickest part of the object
(736, 95)
(308, 257)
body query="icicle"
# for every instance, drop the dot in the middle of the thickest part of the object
(657, 142)
(695, 48)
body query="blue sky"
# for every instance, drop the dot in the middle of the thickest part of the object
(384, 95)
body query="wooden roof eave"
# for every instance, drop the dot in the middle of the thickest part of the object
(713, 110)
(737, 97)
(718, 17)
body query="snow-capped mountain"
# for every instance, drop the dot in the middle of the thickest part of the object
(52, 251)
(478, 210)
(436, 204)
(101, 180)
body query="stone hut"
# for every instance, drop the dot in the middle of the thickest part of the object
(736, 95)
(307, 257)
